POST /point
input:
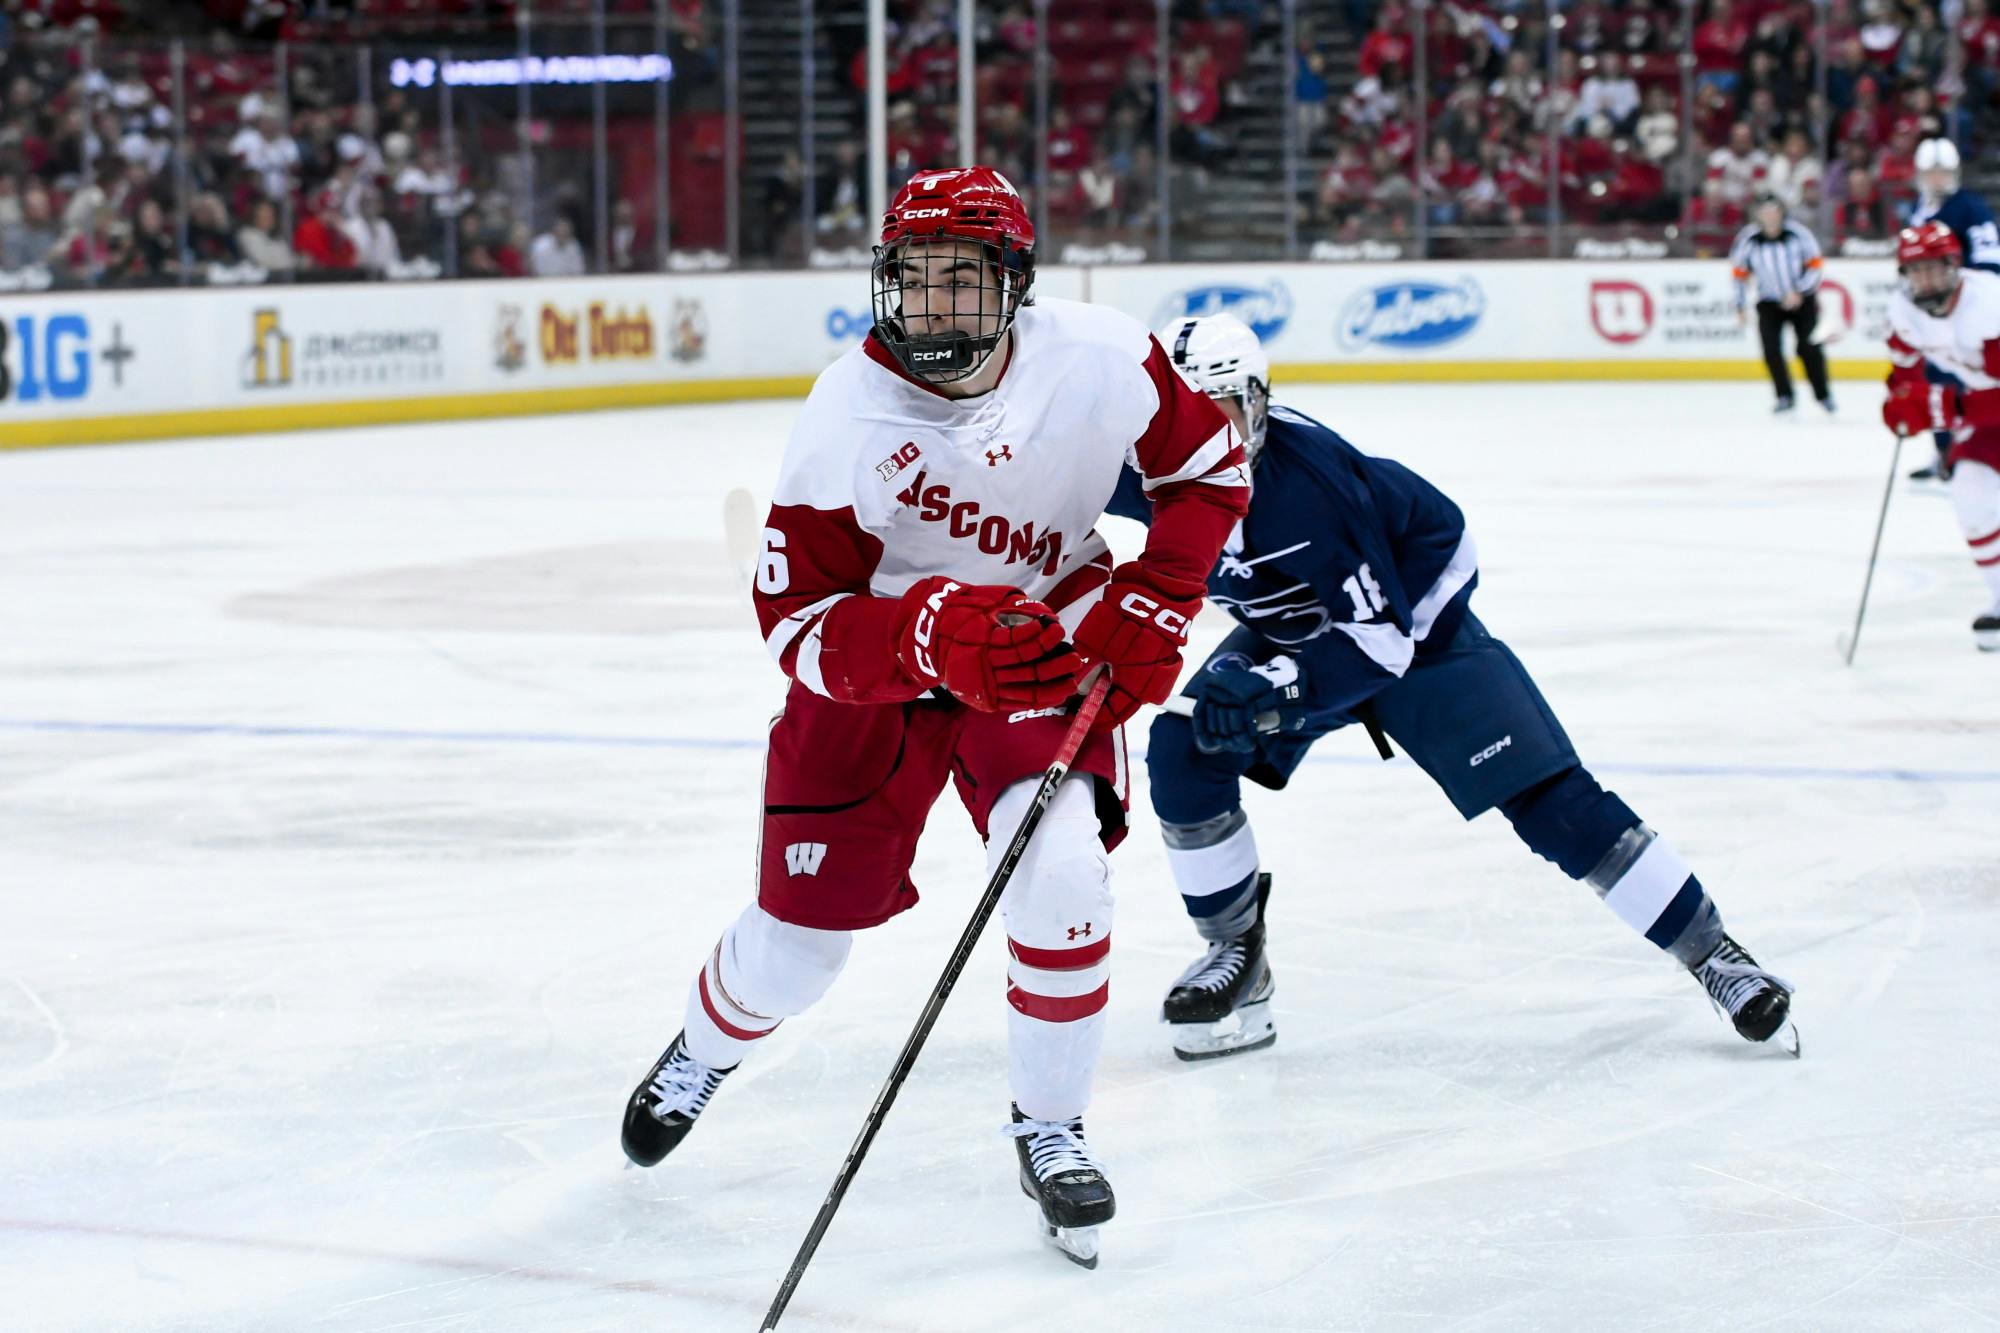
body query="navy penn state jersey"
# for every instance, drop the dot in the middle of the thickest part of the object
(1353, 564)
(1971, 221)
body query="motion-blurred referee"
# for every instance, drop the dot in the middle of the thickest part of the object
(1781, 258)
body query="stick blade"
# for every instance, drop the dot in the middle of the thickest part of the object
(741, 532)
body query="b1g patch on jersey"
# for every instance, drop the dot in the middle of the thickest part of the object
(892, 466)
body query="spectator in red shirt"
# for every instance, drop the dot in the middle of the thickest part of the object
(1863, 214)
(1865, 119)
(1069, 143)
(1713, 219)
(1719, 42)
(1635, 189)
(320, 241)
(1197, 87)
(1896, 164)
(1388, 44)
(1443, 179)
(1346, 185)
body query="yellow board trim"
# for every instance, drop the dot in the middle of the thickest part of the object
(56, 431)
(1389, 372)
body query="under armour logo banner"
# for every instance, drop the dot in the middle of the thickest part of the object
(995, 457)
(803, 858)
(1082, 930)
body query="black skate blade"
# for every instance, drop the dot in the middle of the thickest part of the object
(1786, 1039)
(1224, 1052)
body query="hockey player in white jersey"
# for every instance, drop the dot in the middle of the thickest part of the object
(1945, 318)
(932, 581)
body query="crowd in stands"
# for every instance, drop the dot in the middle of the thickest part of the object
(1604, 130)
(299, 180)
(1598, 118)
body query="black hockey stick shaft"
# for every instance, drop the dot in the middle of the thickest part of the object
(1881, 521)
(1079, 729)
(1366, 712)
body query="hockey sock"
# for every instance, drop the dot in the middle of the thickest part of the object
(761, 972)
(1645, 881)
(1215, 866)
(1057, 910)
(1595, 837)
(1975, 494)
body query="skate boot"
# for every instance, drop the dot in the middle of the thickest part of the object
(1222, 1004)
(1757, 1004)
(664, 1106)
(1986, 631)
(1782, 406)
(1064, 1178)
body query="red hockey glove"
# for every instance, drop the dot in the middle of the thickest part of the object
(1139, 627)
(1913, 408)
(989, 646)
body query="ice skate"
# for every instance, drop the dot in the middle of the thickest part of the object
(1986, 631)
(664, 1106)
(1757, 1004)
(1064, 1178)
(1222, 1004)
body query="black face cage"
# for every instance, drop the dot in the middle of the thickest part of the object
(1255, 401)
(956, 319)
(1933, 301)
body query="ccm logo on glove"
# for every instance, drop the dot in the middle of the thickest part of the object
(1145, 608)
(925, 629)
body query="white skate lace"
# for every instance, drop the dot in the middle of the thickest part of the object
(1215, 969)
(683, 1087)
(1055, 1147)
(1732, 980)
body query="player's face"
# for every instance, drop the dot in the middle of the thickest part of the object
(947, 287)
(1930, 281)
(1232, 407)
(1937, 182)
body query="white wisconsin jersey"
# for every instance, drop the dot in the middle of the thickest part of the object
(1955, 342)
(886, 482)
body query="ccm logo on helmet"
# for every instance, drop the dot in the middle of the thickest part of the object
(1142, 607)
(917, 214)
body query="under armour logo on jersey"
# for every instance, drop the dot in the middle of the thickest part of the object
(1080, 932)
(995, 457)
(803, 858)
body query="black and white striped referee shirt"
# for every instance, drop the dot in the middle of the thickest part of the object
(1780, 265)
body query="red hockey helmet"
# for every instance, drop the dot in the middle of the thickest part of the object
(1928, 256)
(956, 262)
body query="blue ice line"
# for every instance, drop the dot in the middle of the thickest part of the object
(1766, 772)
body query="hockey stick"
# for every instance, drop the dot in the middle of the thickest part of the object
(741, 535)
(1895, 461)
(1099, 684)
(1182, 705)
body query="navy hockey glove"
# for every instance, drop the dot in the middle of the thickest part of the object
(1237, 704)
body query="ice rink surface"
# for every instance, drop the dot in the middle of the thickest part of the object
(367, 799)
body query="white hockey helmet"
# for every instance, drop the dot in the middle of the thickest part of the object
(1222, 357)
(1937, 167)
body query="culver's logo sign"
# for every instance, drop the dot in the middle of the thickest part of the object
(1264, 309)
(1410, 314)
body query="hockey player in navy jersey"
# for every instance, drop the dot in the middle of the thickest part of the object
(1351, 580)
(1941, 198)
